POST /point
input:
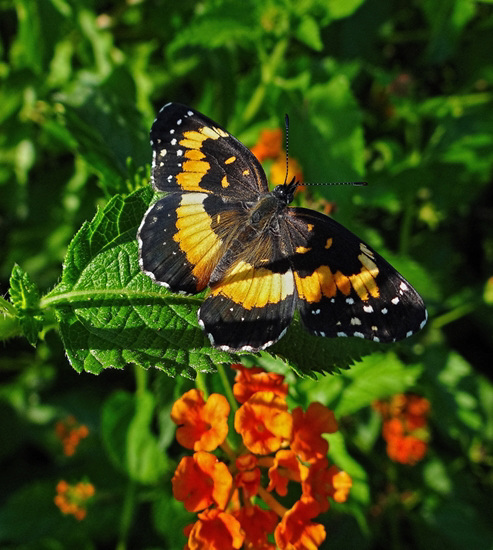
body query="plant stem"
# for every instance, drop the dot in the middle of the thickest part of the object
(124, 293)
(201, 385)
(127, 515)
(268, 72)
(227, 388)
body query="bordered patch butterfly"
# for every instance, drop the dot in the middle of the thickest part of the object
(220, 226)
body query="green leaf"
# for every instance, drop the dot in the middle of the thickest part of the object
(226, 24)
(128, 439)
(329, 134)
(40, 26)
(145, 459)
(106, 127)
(9, 320)
(339, 10)
(25, 297)
(33, 500)
(308, 32)
(375, 377)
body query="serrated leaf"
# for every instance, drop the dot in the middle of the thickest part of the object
(111, 314)
(9, 320)
(24, 295)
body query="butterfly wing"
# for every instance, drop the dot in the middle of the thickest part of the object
(209, 176)
(192, 153)
(252, 304)
(183, 236)
(344, 287)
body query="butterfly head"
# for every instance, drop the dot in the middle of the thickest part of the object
(285, 191)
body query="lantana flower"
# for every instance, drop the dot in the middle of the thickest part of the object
(201, 480)
(269, 147)
(70, 432)
(215, 530)
(202, 426)
(251, 380)
(73, 499)
(405, 427)
(264, 422)
(236, 506)
(296, 531)
(308, 428)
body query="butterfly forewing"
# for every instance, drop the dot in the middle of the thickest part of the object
(192, 153)
(183, 236)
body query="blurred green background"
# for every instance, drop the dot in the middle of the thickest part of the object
(399, 93)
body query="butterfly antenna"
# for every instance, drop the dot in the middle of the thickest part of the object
(355, 183)
(286, 126)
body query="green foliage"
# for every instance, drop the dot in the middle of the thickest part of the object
(397, 93)
(25, 298)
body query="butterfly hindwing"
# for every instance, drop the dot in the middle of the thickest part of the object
(253, 302)
(193, 153)
(344, 287)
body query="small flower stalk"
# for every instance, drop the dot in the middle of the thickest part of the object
(240, 495)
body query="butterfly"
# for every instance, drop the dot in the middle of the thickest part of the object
(219, 226)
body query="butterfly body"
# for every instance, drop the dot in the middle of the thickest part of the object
(220, 226)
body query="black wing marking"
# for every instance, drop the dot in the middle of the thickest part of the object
(193, 153)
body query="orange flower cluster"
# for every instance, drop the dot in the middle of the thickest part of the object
(278, 445)
(405, 427)
(70, 432)
(269, 147)
(73, 499)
